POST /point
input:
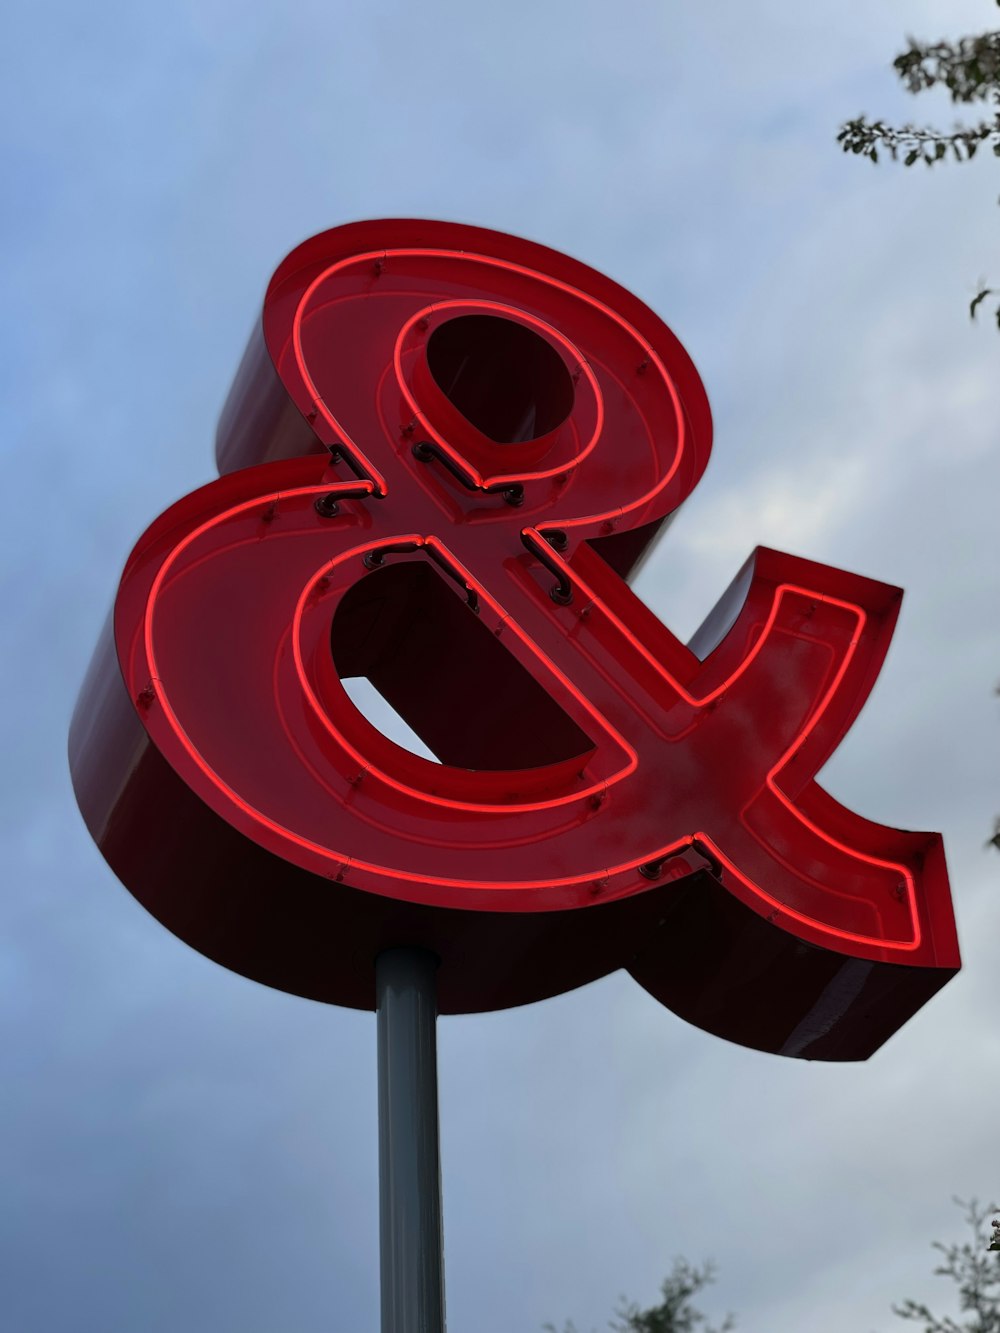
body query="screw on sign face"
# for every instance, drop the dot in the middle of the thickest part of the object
(444, 452)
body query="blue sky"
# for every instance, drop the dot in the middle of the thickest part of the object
(188, 1150)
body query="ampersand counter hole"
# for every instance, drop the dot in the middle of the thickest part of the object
(430, 660)
(381, 714)
(508, 381)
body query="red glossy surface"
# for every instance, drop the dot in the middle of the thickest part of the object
(608, 797)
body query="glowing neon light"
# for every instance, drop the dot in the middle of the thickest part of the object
(364, 837)
(648, 351)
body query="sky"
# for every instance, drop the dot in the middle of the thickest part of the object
(186, 1149)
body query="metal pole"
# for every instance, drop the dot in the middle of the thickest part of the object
(409, 1162)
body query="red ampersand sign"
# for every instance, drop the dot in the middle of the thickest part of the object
(445, 451)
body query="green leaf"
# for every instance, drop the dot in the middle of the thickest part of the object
(911, 157)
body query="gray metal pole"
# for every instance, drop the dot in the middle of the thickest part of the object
(409, 1161)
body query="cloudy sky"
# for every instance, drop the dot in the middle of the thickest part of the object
(187, 1150)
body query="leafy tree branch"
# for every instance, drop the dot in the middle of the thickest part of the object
(976, 1273)
(969, 69)
(973, 1267)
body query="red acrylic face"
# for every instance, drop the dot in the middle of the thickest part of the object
(444, 452)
